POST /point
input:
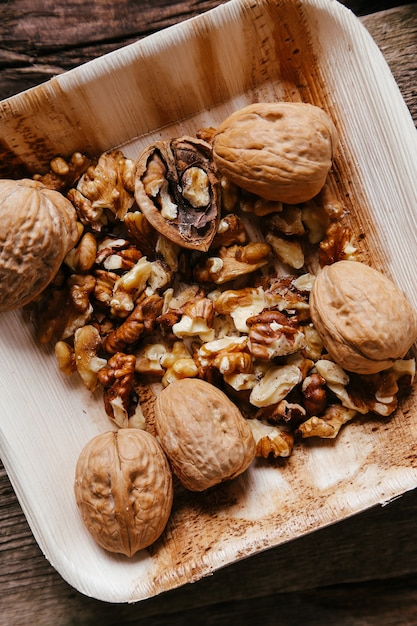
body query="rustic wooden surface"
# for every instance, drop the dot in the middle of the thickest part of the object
(360, 572)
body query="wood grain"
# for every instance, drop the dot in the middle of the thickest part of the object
(362, 571)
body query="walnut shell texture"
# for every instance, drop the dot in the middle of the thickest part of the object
(280, 151)
(364, 320)
(204, 435)
(123, 488)
(38, 229)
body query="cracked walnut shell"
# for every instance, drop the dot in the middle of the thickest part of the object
(178, 191)
(364, 320)
(204, 435)
(280, 151)
(38, 229)
(123, 488)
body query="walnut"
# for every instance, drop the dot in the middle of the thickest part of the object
(206, 133)
(178, 363)
(330, 203)
(240, 304)
(315, 219)
(290, 413)
(204, 435)
(129, 287)
(314, 345)
(177, 189)
(232, 262)
(117, 254)
(63, 174)
(160, 277)
(380, 391)
(61, 311)
(86, 212)
(118, 381)
(337, 245)
(230, 230)
(276, 383)
(143, 317)
(304, 364)
(405, 372)
(169, 251)
(251, 203)
(107, 185)
(280, 151)
(185, 295)
(123, 488)
(82, 257)
(65, 357)
(287, 250)
(315, 395)
(337, 380)
(288, 221)
(38, 229)
(364, 320)
(87, 344)
(271, 440)
(229, 355)
(105, 282)
(81, 286)
(149, 357)
(329, 424)
(290, 294)
(196, 321)
(272, 334)
(377, 393)
(241, 381)
(176, 302)
(230, 195)
(141, 232)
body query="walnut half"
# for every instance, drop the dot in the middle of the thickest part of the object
(178, 191)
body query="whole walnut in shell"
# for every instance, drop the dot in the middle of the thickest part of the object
(123, 488)
(364, 320)
(280, 151)
(204, 435)
(38, 227)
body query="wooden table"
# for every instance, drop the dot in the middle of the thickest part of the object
(360, 572)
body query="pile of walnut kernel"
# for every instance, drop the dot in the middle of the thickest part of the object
(130, 306)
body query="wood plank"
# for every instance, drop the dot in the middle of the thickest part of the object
(395, 31)
(33, 48)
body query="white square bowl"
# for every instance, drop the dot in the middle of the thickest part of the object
(189, 76)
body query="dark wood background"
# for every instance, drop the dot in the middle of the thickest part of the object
(41, 38)
(361, 572)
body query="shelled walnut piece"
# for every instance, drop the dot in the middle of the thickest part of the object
(123, 488)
